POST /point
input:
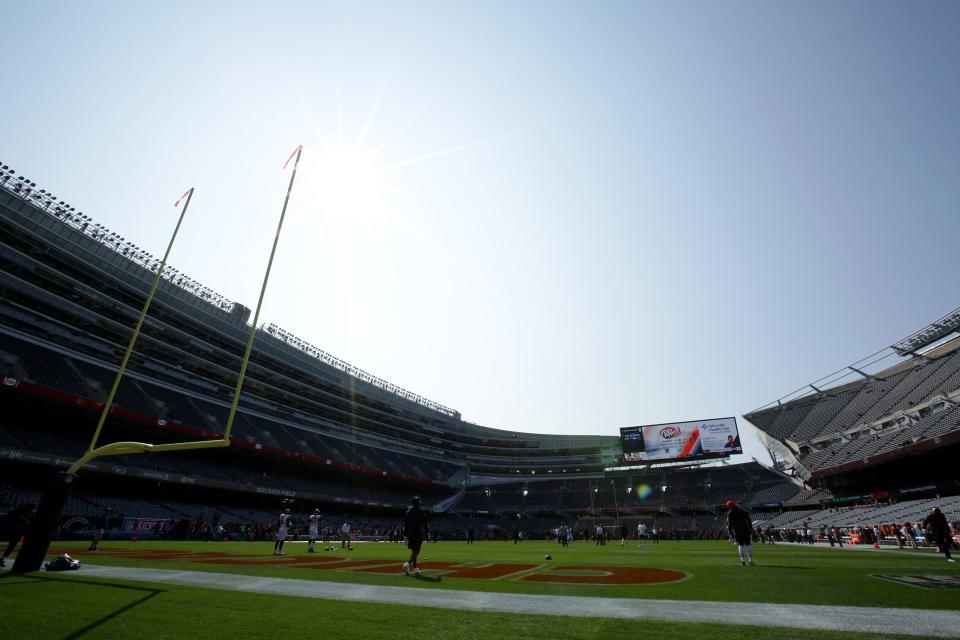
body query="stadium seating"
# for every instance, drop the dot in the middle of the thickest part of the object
(868, 418)
(316, 430)
(913, 511)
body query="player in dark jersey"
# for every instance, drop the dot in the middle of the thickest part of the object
(415, 529)
(936, 523)
(740, 528)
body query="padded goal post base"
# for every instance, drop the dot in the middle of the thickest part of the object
(44, 524)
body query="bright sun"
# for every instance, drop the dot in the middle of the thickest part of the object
(348, 184)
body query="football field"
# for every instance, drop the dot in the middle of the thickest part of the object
(487, 590)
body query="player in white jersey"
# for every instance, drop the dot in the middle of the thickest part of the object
(314, 524)
(345, 535)
(641, 533)
(282, 523)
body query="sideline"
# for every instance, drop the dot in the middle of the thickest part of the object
(899, 621)
(929, 553)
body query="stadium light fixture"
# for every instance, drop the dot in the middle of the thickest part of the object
(663, 488)
(525, 492)
(629, 489)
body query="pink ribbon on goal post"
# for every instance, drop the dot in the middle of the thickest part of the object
(177, 203)
(291, 155)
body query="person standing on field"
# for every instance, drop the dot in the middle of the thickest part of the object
(641, 533)
(415, 530)
(282, 523)
(103, 523)
(345, 535)
(907, 532)
(936, 524)
(314, 524)
(740, 528)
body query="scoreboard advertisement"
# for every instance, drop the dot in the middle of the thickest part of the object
(715, 438)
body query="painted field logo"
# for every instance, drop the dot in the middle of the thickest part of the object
(925, 581)
(573, 574)
(669, 433)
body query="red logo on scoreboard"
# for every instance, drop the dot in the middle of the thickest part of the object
(668, 433)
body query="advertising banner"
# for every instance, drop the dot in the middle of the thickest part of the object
(675, 440)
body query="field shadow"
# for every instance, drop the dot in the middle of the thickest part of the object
(15, 583)
(427, 578)
(782, 566)
(148, 594)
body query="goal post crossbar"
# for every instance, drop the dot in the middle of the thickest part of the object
(127, 448)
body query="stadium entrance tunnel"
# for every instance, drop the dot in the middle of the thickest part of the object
(566, 574)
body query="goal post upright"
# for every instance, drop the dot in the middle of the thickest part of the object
(38, 538)
(136, 330)
(256, 314)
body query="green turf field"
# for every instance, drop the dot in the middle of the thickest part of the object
(71, 605)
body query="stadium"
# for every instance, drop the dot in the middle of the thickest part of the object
(853, 460)
(491, 372)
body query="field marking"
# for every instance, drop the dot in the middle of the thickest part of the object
(920, 581)
(519, 574)
(899, 621)
(473, 569)
(929, 553)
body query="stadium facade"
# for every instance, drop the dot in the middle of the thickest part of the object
(71, 293)
(318, 431)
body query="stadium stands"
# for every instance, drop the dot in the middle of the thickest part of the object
(316, 430)
(912, 402)
(913, 511)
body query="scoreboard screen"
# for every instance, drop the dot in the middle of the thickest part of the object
(715, 438)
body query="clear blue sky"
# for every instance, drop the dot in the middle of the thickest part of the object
(554, 217)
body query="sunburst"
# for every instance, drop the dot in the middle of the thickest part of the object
(348, 184)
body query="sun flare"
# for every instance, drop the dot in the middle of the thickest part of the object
(347, 184)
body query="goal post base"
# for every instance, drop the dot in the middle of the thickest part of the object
(45, 522)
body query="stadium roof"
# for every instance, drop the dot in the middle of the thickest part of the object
(884, 362)
(933, 332)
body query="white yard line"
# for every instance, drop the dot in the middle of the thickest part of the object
(911, 622)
